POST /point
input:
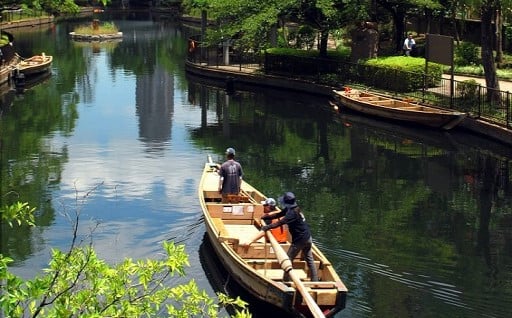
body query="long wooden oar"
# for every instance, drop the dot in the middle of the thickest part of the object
(286, 265)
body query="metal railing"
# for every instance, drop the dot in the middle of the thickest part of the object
(465, 96)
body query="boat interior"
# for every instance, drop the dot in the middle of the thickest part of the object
(387, 102)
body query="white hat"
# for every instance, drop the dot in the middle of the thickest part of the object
(269, 201)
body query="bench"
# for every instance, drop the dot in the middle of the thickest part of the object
(219, 226)
(277, 274)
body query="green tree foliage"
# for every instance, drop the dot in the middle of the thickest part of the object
(466, 53)
(400, 10)
(20, 213)
(54, 7)
(253, 24)
(79, 284)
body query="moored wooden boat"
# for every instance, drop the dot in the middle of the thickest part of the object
(258, 267)
(36, 64)
(6, 70)
(396, 109)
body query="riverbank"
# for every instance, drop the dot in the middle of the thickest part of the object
(33, 22)
(239, 76)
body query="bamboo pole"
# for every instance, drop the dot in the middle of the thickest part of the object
(286, 265)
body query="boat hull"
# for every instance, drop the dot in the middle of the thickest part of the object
(399, 110)
(35, 65)
(256, 267)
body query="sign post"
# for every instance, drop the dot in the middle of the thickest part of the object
(439, 49)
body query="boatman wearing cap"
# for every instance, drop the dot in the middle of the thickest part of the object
(269, 207)
(299, 230)
(230, 173)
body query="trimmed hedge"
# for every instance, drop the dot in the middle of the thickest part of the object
(397, 73)
(404, 73)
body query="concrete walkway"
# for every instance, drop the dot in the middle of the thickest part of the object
(504, 85)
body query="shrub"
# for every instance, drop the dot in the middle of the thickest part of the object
(468, 91)
(466, 53)
(305, 37)
(401, 73)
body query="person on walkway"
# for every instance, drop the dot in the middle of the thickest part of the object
(230, 177)
(269, 208)
(409, 44)
(299, 230)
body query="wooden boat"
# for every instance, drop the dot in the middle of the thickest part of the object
(6, 70)
(259, 268)
(396, 109)
(36, 64)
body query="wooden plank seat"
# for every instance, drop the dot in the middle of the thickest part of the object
(369, 98)
(277, 274)
(387, 102)
(412, 107)
(320, 285)
(239, 211)
(219, 225)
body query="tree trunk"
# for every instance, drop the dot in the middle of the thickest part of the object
(400, 30)
(455, 25)
(398, 14)
(428, 16)
(499, 37)
(491, 78)
(324, 36)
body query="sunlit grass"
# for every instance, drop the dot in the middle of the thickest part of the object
(4, 39)
(478, 70)
(103, 28)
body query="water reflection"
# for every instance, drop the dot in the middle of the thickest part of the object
(416, 222)
(154, 96)
(400, 209)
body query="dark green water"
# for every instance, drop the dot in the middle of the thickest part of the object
(418, 223)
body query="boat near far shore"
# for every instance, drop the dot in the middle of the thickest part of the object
(397, 109)
(34, 65)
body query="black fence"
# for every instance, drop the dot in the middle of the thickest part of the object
(200, 53)
(433, 89)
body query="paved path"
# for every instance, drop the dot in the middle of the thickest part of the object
(504, 85)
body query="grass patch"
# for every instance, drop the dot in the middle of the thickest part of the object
(478, 70)
(4, 40)
(99, 29)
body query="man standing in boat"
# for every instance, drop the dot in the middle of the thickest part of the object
(299, 230)
(230, 180)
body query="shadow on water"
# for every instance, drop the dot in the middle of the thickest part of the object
(10, 91)
(221, 281)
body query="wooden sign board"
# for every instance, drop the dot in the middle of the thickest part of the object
(439, 49)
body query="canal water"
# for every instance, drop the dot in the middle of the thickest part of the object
(418, 223)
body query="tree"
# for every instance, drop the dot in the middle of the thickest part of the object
(487, 12)
(79, 284)
(399, 10)
(327, 15)
(253, 24)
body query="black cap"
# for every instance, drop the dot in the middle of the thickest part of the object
(287, 198)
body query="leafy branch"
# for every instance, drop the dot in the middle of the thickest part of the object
(79, 284)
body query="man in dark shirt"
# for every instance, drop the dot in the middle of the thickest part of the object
(299, 230)
(230, 173)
